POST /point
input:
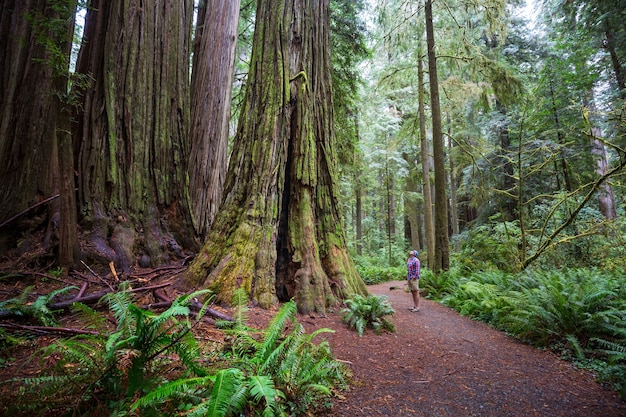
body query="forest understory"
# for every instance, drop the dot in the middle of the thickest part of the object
(436, 363)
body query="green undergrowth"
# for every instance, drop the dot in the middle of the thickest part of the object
(579, 314)
(152, 364)
(374, 271)
(363, 313)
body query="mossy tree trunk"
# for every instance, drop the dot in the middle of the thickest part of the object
(35, 149)
(131, 135)
(278, 232)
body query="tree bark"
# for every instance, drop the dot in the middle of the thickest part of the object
(442, 249)
(359, 212)
(564, 168)
(425, 155)
(211, 87)
(278, 233)
(454, 219)
(131, 135)
(28, 158)
(412, 221)
(615, 61)
(606, 197)
(68, 253)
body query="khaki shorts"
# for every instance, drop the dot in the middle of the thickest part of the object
(414, 284)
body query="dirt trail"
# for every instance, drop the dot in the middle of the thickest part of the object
(438, 363)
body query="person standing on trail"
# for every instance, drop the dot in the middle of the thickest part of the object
(413, 278)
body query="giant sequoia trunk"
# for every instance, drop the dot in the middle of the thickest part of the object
(278, 233)
(214, 60)
(131, 133)
(34, 60)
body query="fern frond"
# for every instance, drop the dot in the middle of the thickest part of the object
(171, 389)
(576, 346)
(92, 318)
(262, 390)
(15, 305)
(272, 359)
(119, 304)
(227, 383)
(274, 330)
(240, 301)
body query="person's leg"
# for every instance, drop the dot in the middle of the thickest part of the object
(416, 298)
(414, 289)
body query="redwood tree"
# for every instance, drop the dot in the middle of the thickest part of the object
(214, 60)
(442, 248)
(278, 233)
(131, 135)
(35, 152)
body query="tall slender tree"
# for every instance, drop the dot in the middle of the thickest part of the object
(211, 86)
(278, 233)
(442, 247)
(426, 164)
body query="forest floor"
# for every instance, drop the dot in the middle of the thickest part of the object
(436, 363)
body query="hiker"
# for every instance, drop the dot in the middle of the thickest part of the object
(413, 277)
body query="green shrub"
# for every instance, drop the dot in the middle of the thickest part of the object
(368, 313)
(436, 286)
(490, 246)
(577, 313)
(38, 310)
(372, 275)
(270, 375)
(108, 371)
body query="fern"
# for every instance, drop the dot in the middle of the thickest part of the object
(269, 374)
(274, 330)
(362, 313)
(132, 358)
(38, 309)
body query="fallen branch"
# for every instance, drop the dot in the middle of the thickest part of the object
(34, 206)
(86, 299)
(194, 306)
(94, 298)
(83, 288)
(97, 276)
(48, 330)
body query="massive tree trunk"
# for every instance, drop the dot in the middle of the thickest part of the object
(442, 248)
(278, 233)
(34, 51)
(131, 133)
(211, 86)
